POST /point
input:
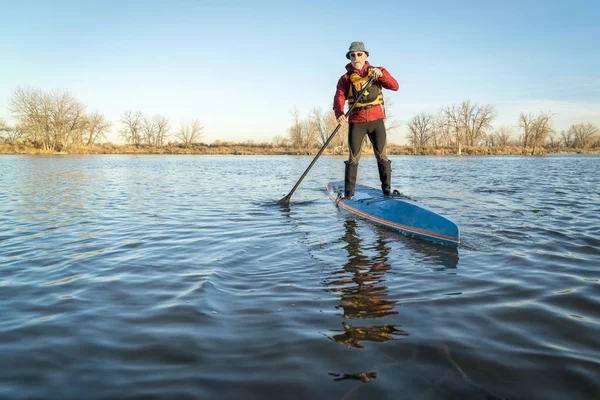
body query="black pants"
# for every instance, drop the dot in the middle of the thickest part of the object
(377, 136)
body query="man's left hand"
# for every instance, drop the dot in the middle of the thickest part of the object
(376, 72)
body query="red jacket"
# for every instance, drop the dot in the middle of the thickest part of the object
(341, 95)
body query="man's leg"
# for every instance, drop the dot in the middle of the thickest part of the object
(356, 134)
(378, 137)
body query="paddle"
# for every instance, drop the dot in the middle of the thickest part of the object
(286, 199)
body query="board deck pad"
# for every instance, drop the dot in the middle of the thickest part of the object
(397, 212)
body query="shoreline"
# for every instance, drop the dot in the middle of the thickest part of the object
(264, 149)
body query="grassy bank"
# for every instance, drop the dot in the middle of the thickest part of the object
(264, 149)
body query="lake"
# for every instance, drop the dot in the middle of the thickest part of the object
(137, 277)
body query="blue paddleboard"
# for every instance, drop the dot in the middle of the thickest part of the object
(398, 213)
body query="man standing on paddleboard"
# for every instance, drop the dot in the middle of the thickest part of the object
(367, 117)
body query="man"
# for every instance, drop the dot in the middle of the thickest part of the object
(367, 117)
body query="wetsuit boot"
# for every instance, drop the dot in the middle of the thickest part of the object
(385, 176)
(350, 179)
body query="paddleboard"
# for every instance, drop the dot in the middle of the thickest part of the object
(396, 212)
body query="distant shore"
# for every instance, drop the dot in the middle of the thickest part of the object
(265, 149)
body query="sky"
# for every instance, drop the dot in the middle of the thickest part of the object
(242, 67)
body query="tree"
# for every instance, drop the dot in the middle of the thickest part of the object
(148, 130)
(584, 135)
(154, 130)
(190, 132)
(278, 141)
(4, 131)
(475, 120)
(319, 119)
(340, 140)
(553, 140)
(391, 124)
(526, 123)
(310, 131)
(132, 131)
(454, 123)
(162, 129)
(295, 130)
(421, 128)
(566, 137)
(479, 120)
(502, 136)
(67, 118)
(95, 128)
(540, 130)
(52, 120)
(442, 134)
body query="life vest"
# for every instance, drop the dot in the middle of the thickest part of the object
(371, 97)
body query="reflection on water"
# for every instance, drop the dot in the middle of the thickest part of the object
(364, 295)
(362, 289)
(361, 281)
(353, 335)
(362, 376)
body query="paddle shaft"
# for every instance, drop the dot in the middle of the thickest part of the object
(287, 198)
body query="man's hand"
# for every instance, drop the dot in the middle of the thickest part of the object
(376, 72)
(342, 120)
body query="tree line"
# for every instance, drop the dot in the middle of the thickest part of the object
(55, 120)
(471, 124)
(453, 126)
(313, 130)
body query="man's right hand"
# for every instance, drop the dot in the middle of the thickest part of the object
(342, 120)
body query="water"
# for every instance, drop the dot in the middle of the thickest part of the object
(178, 277)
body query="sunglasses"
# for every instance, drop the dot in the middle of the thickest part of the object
(353, 55)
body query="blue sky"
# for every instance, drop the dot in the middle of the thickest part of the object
(242, 67)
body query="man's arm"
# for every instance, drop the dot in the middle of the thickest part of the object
(341, 93)
(387, 80)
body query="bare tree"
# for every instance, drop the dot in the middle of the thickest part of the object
(95, 128)
(310, 132)
(295, 131)
(584, 135)
(340, 141)
(566, 138)
(162, 129)
(52, 120)
(502, 136)
(391, 123)
(133, 123)
(475, 120)
(541, 129)
(319, 121)
(31, 109)
(454, 123)
(489, 140)
(553, 140)
(67, 119)
(442, 135)
(148, 130)
(480, 121)
(526, 123)
(5, 131)
(422, 128)
(278, 141)
(190, 132)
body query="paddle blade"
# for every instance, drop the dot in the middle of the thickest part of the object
(284, 201)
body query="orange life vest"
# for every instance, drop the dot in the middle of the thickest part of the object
(371, 97)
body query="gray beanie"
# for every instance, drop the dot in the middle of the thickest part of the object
(356, 46)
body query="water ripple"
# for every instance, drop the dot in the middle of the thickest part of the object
(179, 277)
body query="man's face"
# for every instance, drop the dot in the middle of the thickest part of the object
(358, 58)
